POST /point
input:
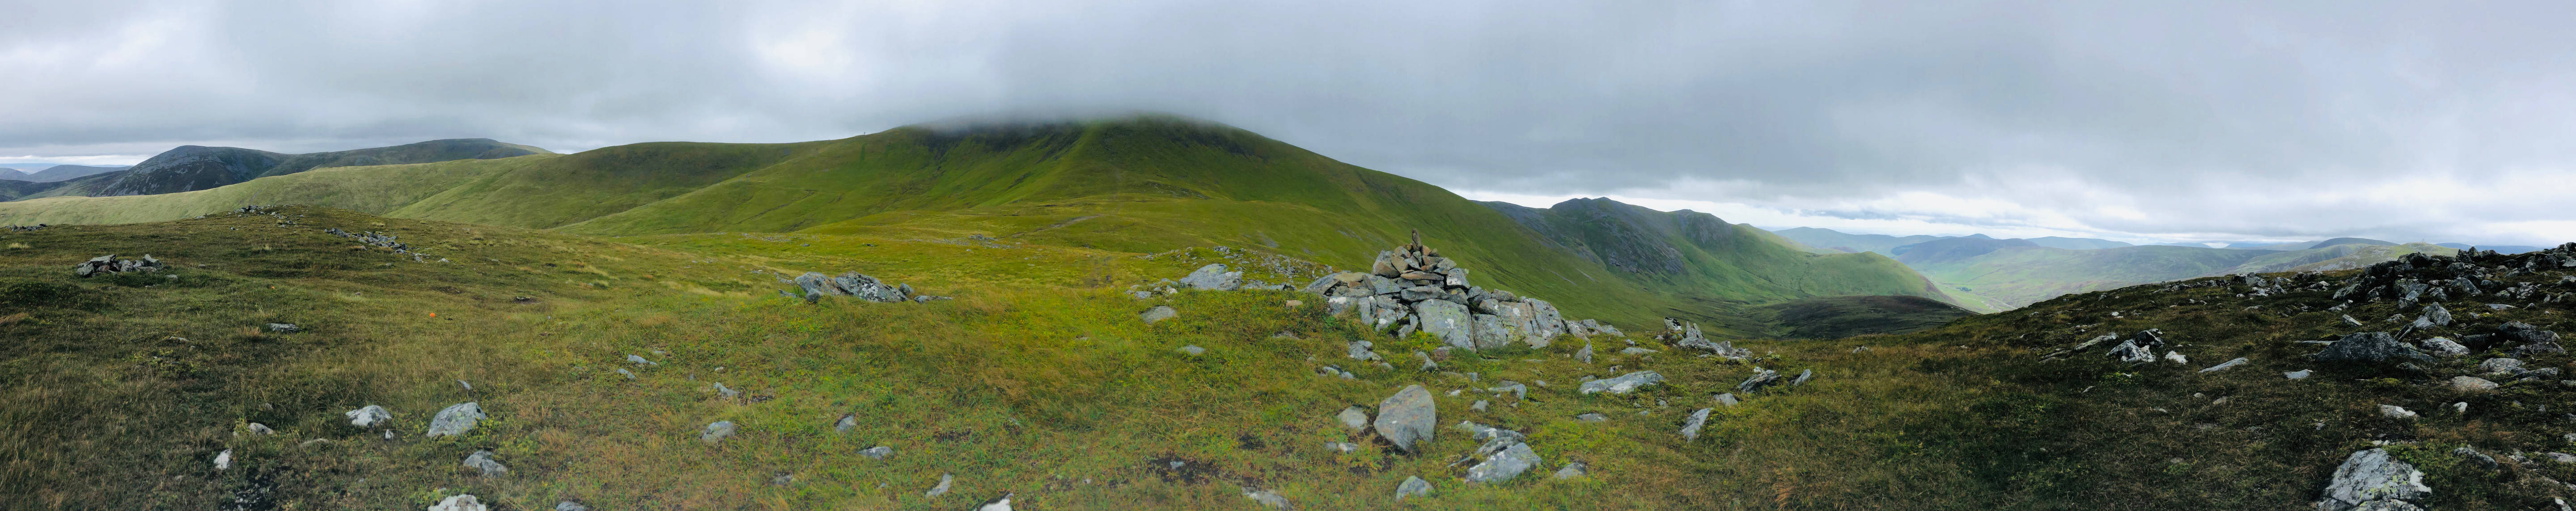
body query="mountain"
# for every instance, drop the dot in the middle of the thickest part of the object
(1830, 239)
(1143, 184)
(1952, 249)
(2076, 243)
(2350, 241)
(63, 172)
(2500, 249)
(189, 168)
(2017, 276)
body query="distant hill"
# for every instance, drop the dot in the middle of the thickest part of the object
(2016, 276)
(1143, 184)
(2500, 249)
(63, 172)
(2076, 243)
(2350, 241)
(1829, 239)
(189, 168)
(1953, 249)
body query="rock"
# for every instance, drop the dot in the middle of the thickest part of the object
(570, 506)
(224, 460)
(725, 392)
(259, 429)
(1447, 321)
(2347, 320)
(1491, 331)
(1214, 278)
(1584, 355)
(942, 489)
(2498, 306)
(717, 431)
(1503, 465)
(2176, 357)
(1517, 390)
(2479, 459)
(2371, 477)
(2301, 374)
(1192, 350)
(869, 288)
(1727, 399)
(1690, 428)
(848, 420)
(1407, 417)
(630, 375)
(2471, 384)
(818, 284)
(1633, 350)
(2369, 347)
(2538, 348)
(1341, 447)
(2444, 347)
(2131, 352)
(1266, 498)
(1354, 418)
(1802, 378)
(455, 420)
(1761, 378)
(1359, 350)
(2396, 412)
(1158, 313)
(284, 328)
(632, 359)
(1413, 486)
(482, 460)
(1623, 384)
(998, 504)
(2499, 366)
(2435, 314)
(369, 416)
(459, 503)
(1571, 471)
(2222, 366)
(1592, 417)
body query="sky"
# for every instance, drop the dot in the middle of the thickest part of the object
(2139, 121)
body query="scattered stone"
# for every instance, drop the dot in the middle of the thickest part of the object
(877, 453)
(1571, 471)
(369, 416)
(2347, 320)
(1341, 447)
(630, 375)
(1623, 384)
(1504, 465)
(1585, 355)
(2498, 306)
(110, 264)
(2176, 357)
(2396, 412)
(1478, 406)
(942, 489)
(2224, 365)
(455, 420)
(1213, 278)
(2374, 480)
(1632, 350)
(459, 503)
(1002, 503)
(259, 429)
(570, 506)
(2500, 366)
(2477, 458)
(2460, 407)
(1193, 350)
(1690, 428)
(1158, 313)
(2301, 374)
(848, 420)
(1727, 399)
(284, 328)
(1266, 498)
(224, 460)
(1761, 378)
(1802, 378)
(2369, 347)
(724, 392)
(2471, 384)
(717, 431)
(1353, 418)
(1592, 417)
(1407, 417)
(2445, 347)
(1413, 486)
(482, 460)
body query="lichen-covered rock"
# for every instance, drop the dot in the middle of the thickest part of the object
(1504, 465)
(717, 431)
(1447, 321)
(1354, 418)
(2373, 476)
(1690, 428)
(1158, 313)
(2370, 347)
(1761, 378)
(455, 420)
(482, 461)
(2471, 384)
(1213, 278)
(459, 503)
(1413, 486)
(1623, 384)
(1407, 418)
(369, 416)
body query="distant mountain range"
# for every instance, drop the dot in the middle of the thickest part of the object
(190, 168)
(63, 172)
(2009, 273)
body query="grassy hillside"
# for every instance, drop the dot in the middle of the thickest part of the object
(1143, 184)
(191, 168)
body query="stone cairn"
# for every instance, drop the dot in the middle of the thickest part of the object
(110, 264)
(1413, 288)
(853, 284)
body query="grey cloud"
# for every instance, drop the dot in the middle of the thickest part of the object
(2172, 108)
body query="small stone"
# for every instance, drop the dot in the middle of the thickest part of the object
(1413, 486)
(1266, 498)
(1727, 399)
(2460, 407)
(1571, 471)
(1478, 406)
(1158, 313)
(2471, 384)
(2374, 480)
(1690, 429)
(2444, 346)
(455, 420)
(1636, 351)
(2396, 412)
(2499, 366)
(1623, 384)
(1341, 447)
(1353, 418)
(1193, 350)
(259, 429)
(2301, 374)
(717, 431)
(848, 420)
(2476, 458)
(459, 503)
(2176, 357)
(570, 506)
(630, 375)
(284, 328)
(1503, 465)
(877, 453)
(1584, 355)
(998, 504)
(942, 489)
(1592, 417)
(637, 360)
(482, 460)
(724, 392)
(224, 460)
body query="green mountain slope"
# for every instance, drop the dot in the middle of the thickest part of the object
(1142, 184)
(1838, 241)
(190, 168)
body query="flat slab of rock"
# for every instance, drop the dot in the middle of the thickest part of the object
(2369, 347)
(2396, 412)
(1407, 418)
(877, 453)
(482, 461)
(1158, 313)
(1503, 465)
(1623, 384)
(1571, 471)
(1447, 321)
(1353, 418)
(1690, 428)
(455, 420)
(1214, 278)
(1413, 486)
(2471, 384)
(2222, 366)
(1266, 498)
(2373, 479)
(1761, 378)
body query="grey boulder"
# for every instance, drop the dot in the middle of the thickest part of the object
(368, 416)
(1413, 486)
(1623, 384)
(1503, 465)
(455, 420)
(1447, 321)
(1214, 278)
(2372, 479)
(1407, 418)
(717, 431)
(482, 460)
(1158, 313)
(2369, 347)
(1353, 418)
(1690, 429)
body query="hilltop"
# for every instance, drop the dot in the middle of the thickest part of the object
(190, 168)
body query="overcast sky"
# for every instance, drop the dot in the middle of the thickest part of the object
(2146, 121)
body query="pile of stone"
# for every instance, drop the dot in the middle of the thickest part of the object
(1413, 288)
(110, 264)
(854, 284)
(1686, 334)
(372, 239)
